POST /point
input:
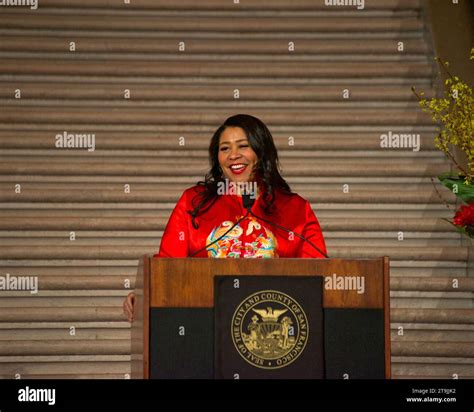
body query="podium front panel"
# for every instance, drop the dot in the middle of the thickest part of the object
(354, 343)
(181, 343)
(268, 327)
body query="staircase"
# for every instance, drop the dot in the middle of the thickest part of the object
(152, 80)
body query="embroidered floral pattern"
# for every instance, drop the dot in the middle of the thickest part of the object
(249, 239)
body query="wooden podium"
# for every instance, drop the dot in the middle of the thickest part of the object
(353, 318)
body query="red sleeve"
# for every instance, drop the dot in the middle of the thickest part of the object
(312, 232)
(174, 243)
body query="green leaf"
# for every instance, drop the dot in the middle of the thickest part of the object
(458, 186)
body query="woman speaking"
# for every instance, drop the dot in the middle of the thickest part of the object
(243, 208)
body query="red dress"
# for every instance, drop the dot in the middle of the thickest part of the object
(251, 238)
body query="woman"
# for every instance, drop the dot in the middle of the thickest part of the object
(210, 219)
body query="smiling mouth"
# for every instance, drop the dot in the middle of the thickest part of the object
(238, 168)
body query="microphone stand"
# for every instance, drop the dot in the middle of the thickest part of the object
(248, 203)
(220, 237)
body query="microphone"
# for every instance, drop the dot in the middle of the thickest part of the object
(248, 200)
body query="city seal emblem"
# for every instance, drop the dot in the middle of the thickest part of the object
(270, 329)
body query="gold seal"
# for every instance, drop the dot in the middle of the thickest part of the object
(270, 329)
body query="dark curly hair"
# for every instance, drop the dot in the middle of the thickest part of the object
(266, 169)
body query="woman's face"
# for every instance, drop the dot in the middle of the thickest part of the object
(236, 158)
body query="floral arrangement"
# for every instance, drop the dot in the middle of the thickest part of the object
(464, 219)
(454, 112)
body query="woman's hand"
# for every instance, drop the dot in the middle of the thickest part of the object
(129, 306)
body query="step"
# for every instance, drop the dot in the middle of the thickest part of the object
(98, 282)
(56, 263)
(135, 210)
(60, 365)
(72, 375)
(410, 152)
(334, 241)
(214, 69)
(62, 314)
(134, 252)
(433, 336)
(427, 271)
(421, 83)
(183, 159)
(393, 119)
(235, 104)
(229, 47)
(452, 316)
(323, 210)
(211, 5)
(121, 347)
(78, 223)
(52, 335)
(65, 326)
(304, 189)
(204, 93)
(449, 284)
(417, 300)
(383, 196)
(150, 142)
(80, 268)
(65, 299)
(178, 24)
(433, 349)
(65, 347)
(433, 368)
(102, 272)
(328, 168)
